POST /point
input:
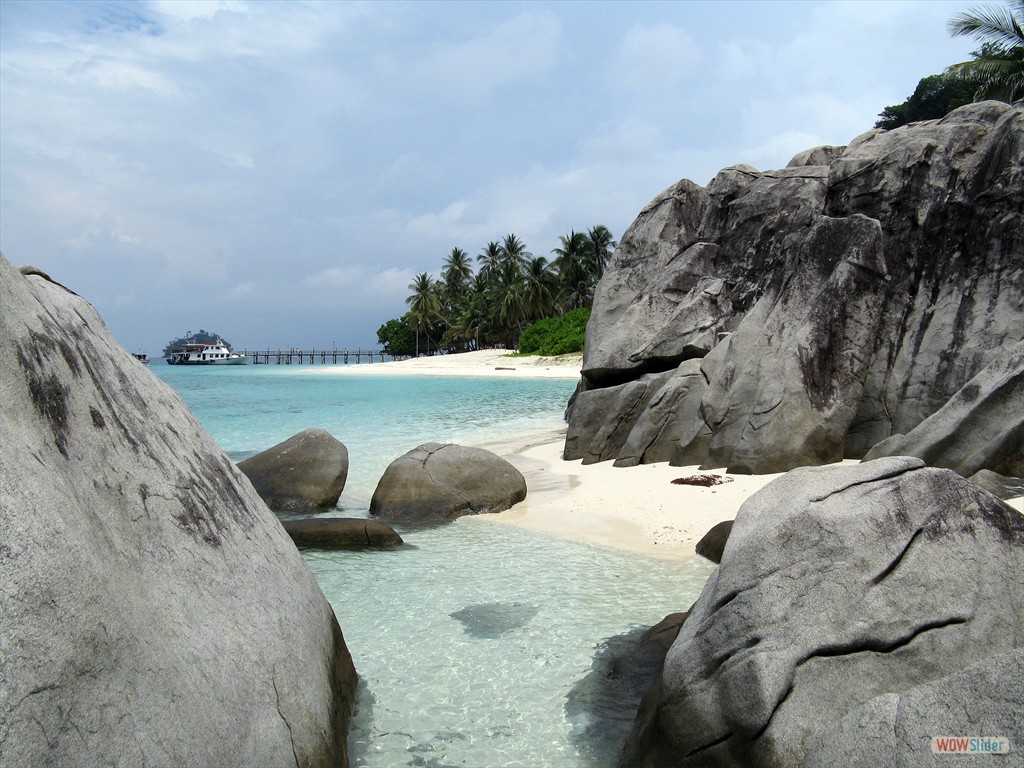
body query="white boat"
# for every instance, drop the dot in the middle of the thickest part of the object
(206, 354)
(142, 357)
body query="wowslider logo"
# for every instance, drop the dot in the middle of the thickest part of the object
(970, 745)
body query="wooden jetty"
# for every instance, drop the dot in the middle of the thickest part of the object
(314, 356)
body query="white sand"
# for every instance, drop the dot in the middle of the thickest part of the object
(499, 363)
(634, 508)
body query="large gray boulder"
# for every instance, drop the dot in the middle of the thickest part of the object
(154, 612)
(438, 483)
(980, 428)
(833, 303)
(305, 472)
(841, 592)
(895, 729)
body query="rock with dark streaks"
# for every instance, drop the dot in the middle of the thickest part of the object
(831, 304)
(154, 612)
(981, 427)
(436, 483)
(843, 590)
(984, 701)
(1000, 486)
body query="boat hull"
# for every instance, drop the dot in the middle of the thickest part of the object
(242, 360)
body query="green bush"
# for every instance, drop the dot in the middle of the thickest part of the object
(556, 335)
(397, 338)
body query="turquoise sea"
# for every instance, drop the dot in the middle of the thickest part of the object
(469, 640)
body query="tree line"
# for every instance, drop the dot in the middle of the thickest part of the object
(995, 71)
(510, 288)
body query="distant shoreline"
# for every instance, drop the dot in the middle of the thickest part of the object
(492, 363)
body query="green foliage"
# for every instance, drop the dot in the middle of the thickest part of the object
(397, 338)
(934, 97)
(556, 335)
(510, 289)
(998, 68)
(199, 337)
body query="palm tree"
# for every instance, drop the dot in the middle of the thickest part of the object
(999, 65)
(538, 293)
(506, 297)
(513, 251)
(490, 258)
(456, 272)
(575, 280)
(424, 306)
(600, 245)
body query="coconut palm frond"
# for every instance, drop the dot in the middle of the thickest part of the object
(1000, 25)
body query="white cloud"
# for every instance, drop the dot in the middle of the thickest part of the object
(355, 283)
(522, 48)
(653, 58)
(241, 291)
(629, 140)
(188, 10)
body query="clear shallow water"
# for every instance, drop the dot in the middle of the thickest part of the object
(469, 640)
(249, 408)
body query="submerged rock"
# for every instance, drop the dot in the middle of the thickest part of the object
(603, 704)
(851, 603)
(154, 611)
(306, 472)
(493, 620)
(438, 483)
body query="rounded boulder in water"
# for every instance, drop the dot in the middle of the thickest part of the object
(437, 483)
(306, 471)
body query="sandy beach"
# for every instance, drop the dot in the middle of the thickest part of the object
(486, 362)
(634, 508)
(637, 508)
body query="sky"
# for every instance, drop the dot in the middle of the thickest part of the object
(278, 172)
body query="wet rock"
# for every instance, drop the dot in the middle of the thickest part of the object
(334, 532)
(438, 483)
(154, 611)
(603, 704)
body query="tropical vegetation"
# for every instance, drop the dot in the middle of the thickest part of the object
(199, 337)
(509, 290)
(556, 335)
(998, 68)
(995, 71)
